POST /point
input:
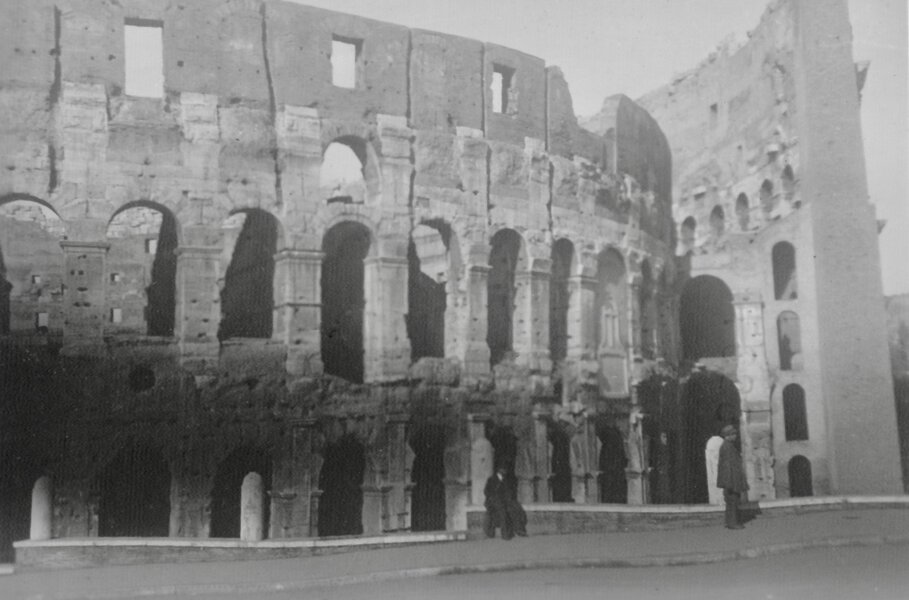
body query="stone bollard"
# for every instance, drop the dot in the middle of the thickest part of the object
(42, 510)
(251, 510)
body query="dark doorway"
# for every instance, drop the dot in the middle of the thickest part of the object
(795, 417)
(504, 259)
(428, 476)
(612, 462)
(247, 301)
(343, 300)
(17, 478)
(707, 319)
(341, 482)
(135, 494)
(560, 480)
(709, 401)
(226, 491)
(800, 477)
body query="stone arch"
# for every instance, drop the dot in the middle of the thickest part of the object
(134, 493)
(789, 341)
(507, 258)
(345, 245)
(611, 325)
(785, 282)
(768, 200)
(717, 223)
(688, 235)
(247, 296)
(563, 267)
(709, 401)
(742, 211)
(345, 148)
(429, 270)
(648, 311)
(800, 478)
(31, 266)
(142, 269)
(706, 319)
(795, 417)
(341, 483)
(227, 487)
(428, 441)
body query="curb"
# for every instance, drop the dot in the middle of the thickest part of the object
(698, 558)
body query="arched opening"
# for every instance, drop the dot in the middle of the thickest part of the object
(31, 268)
(428, 477)
(228, 484)
(794, 414)
(709, 402)
(785, 283)
(648, 312)
(687, 234)
(341, 178)
(341, 482)
(788, 181)
(611, 306)
(612, 481)
(560, 446)
(134, 494)
(800, 484)
(428, 271)
(17, 479)
(789, 338)
(142, 270)
(559, 299)
(505, 258)
(717, 222)
(706, 319)
(768, 201)
(343, 301)
(247, 299)
(742, 212)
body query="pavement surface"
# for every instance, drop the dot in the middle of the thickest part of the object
(765, 536)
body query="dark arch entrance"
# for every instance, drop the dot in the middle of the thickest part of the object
(709, 401)
(612, 482)
(225, 494)
(343, 300)
(428, 476)
(17, 478)
(135, 494)
(800, 477)
(560, 480)
(707, 319)
(504, 260)
(341, 482)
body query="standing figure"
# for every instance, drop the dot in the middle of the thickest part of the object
(502, 508)
(731, 477)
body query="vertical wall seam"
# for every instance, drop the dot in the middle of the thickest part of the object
(53, 101)
(272, 107)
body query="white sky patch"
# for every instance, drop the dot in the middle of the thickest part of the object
(144, 47)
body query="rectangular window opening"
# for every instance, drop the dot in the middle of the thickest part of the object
(115, 278)
(345, 58)
(151, 246)
(502, 78)
(144, 58)
(116, 315)
(36, 279)
(42, 320)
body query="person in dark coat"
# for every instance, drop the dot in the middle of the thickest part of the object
(502, 507)
(731, 476)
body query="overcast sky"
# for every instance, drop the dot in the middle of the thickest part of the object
(606, 47)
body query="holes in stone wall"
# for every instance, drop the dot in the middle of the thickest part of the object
(788, 181)
(144, 58)
(343, 301)
(559, 298)
(341, 482)
(687, 234)
(502, 89)
(742, 212)
(789, 339)
(768, 200)
(135, 494)
(504, 260)
(800, 484)
(794, 414)
(428, 272)
(247, 300)
(345, 59)
(707, 319)
(785, 283)
(717, 223)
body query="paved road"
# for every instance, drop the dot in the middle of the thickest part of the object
(847, 573)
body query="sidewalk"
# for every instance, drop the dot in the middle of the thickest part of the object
(761, 537)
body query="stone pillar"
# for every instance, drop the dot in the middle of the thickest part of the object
(593, 461)
(252, 514)
(298, 309)
(754, 390)
(398, 496)
(481, 458)
(84, 293)
(581, 362)
(634, 314)
(636, 471)
(295, 480)
(580, 453)
(376, 491)
(42, 519)
(542, 456)
(475, 357)
(198, 300)
(525, 465)
(531, 327)
(386, 345)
